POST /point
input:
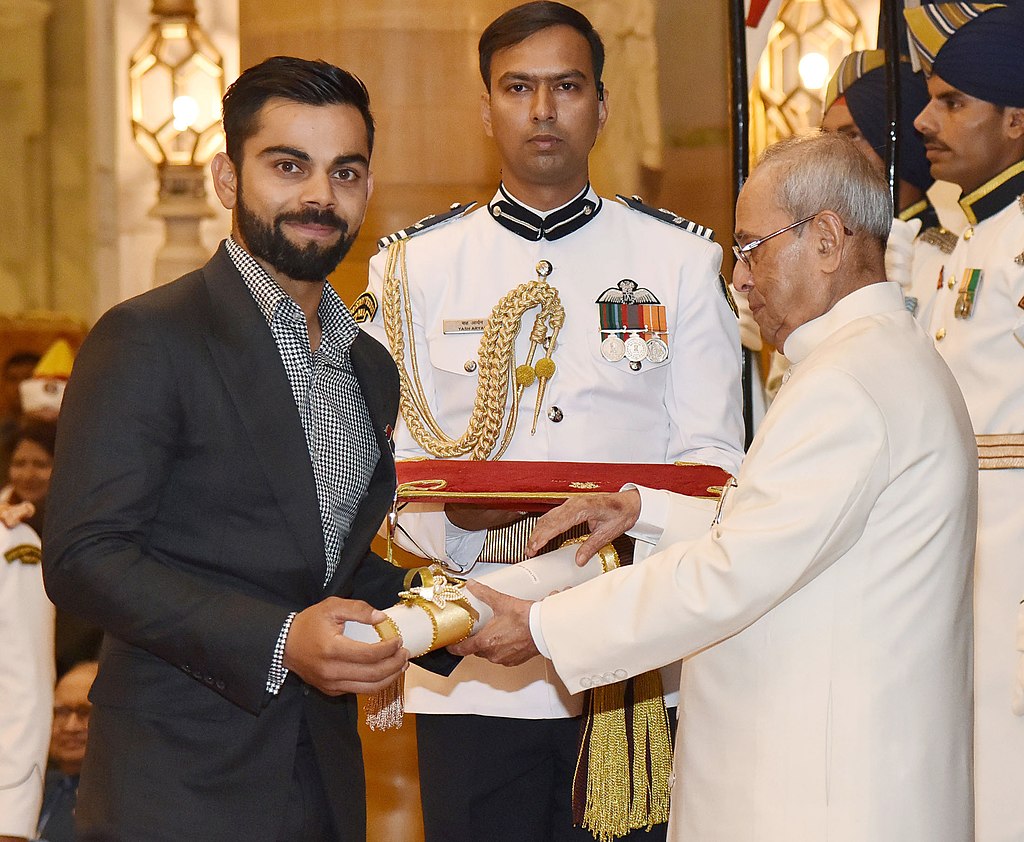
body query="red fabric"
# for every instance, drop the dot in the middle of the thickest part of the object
(757, 9)
(502, 484)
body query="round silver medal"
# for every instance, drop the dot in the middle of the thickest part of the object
(657, 349)
(613, 349)
(636, 349)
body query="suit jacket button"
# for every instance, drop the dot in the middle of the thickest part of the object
(220, 685)
(305, 689)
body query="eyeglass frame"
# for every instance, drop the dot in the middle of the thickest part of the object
(741, 252)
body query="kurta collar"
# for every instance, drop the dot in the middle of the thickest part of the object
(872, 300)
(531, 224)
(994, 195)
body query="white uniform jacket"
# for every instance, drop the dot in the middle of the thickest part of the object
(685, 408)
(985, 351)
(26, 680)
(825, 622)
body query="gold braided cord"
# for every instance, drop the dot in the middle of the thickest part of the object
(495, 361)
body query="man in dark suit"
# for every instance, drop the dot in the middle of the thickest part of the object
(223, 461)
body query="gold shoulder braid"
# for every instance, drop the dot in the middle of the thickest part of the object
(496, 362)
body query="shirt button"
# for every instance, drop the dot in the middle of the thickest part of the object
(940, 334)
(555, 414)
(470, 366)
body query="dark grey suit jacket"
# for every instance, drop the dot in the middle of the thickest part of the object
(183, 519)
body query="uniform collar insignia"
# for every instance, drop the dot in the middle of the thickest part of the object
(512, 214)
(994, 195)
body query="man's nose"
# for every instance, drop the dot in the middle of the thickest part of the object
(924, 121)
(742, 279)
(318, 191)
(543, 105)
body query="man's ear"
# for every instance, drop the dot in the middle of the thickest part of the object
(1015, 123)
(225, 180)
(485, 113)
(602, 108)
(829, 235)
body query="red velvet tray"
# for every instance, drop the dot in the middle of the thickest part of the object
(538, 486)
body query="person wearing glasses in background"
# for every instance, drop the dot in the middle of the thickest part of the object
(824, 619)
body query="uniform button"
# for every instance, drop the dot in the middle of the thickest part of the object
(968, 233)
(470, 366)
(555, 414)
(586, 682)
(496, 211)
(940, 334)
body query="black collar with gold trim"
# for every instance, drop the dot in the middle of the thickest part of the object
(994, 195)
(512, 214)
(923, 210)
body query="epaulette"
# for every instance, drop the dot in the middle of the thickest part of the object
(667, 216)
(456, 210)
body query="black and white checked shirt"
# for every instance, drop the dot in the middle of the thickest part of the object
(339, 433)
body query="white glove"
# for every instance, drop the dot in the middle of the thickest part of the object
(899, 251)
(1018, 688)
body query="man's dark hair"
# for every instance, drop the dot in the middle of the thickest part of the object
(520, 23)
(294, 79)
(43, 433)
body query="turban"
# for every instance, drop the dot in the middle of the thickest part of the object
(861, 79)
(978, 48)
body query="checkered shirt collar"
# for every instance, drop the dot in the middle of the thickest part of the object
(338, 327)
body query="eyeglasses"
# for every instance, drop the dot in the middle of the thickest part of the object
(741, 252)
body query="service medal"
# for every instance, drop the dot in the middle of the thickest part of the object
(636, 349)
(613, 349)
(967, 294)
(657, 350)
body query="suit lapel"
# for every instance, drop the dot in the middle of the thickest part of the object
(250, 366)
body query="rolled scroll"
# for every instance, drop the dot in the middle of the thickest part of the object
(436, 609)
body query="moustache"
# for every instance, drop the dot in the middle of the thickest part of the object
(931, 142)
(312, 216)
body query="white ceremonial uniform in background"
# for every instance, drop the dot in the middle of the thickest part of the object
(26, 680)
(686, 408)
(986, 355)
(827, 620)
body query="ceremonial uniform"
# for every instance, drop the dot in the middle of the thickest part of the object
(976, 318)
(681, 401)
(26, 680)
(825, 622)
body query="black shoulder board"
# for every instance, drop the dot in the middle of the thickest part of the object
(636, 203)
(454, 211)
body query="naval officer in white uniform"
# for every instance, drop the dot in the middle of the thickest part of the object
(825, 618)
(498, 747)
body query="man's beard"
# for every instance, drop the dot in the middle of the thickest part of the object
(311, 262)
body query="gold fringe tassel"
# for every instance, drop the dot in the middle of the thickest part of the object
(385, 709)
(626, 756)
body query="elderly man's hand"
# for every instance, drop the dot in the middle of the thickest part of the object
(506, 638)
(608, 515)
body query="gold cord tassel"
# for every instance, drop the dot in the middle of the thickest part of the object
(624, 767)
(385, 709)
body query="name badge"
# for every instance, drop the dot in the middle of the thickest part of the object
(450, 326)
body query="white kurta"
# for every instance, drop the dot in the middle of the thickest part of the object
(26, 680)
(986, 355)
(825, 624)
(686, 408)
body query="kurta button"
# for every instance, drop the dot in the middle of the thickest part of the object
(555, 414)
(940, 334)
(620, 674)
(585, 683)
(470, 366)
(609, 678)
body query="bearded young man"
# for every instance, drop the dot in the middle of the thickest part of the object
(223, 462)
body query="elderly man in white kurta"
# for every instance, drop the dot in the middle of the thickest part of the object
(825, 617)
